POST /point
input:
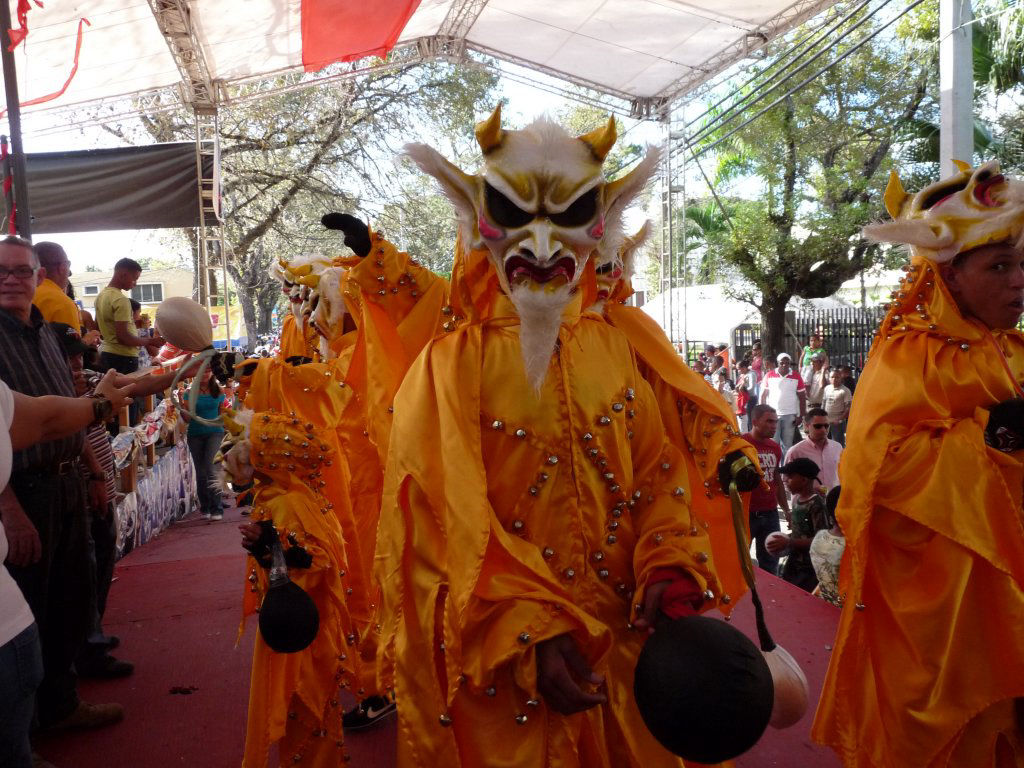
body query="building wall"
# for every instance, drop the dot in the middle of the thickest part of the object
(172, 282)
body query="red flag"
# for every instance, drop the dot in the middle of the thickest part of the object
(19, 34)
(345, 30)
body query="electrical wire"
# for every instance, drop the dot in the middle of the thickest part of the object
(854, 48)
(794, 52)
(756, 97)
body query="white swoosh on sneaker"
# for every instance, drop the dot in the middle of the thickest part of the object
(372, 713)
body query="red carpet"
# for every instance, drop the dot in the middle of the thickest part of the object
(176, 607)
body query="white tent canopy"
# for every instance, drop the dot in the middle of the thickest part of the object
(645, 52)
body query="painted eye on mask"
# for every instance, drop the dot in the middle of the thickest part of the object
(604, 269)
(503, 211)
(581, 212)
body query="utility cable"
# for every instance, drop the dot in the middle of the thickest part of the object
(853, 49)
(794, 53)
(732, 113)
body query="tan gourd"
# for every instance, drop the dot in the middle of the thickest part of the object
(184, 323)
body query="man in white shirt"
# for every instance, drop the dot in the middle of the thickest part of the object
(818, 448)
(784, 390)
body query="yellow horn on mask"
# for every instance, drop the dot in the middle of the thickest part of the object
(301, 271)
(601, 140)
(894, 196)
(961, 165)
(311, 280)
(488, 132)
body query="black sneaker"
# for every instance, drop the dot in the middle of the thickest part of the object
(368, 713)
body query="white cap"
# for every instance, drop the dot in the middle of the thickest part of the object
(783, 355)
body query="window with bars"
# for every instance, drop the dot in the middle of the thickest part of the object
(92, 290)
(148, 293)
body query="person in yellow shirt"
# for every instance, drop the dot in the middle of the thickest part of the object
(535, 515)
(928, 666)
(51, 294)
(120, 346)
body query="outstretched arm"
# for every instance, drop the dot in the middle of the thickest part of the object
(40, 419)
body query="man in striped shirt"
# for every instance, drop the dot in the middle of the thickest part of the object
(43, 507)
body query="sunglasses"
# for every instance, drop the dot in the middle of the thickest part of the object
(819, 426)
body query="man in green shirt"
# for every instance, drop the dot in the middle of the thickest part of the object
(120, 346)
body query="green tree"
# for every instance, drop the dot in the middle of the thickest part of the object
(819, 160)
(289, 158)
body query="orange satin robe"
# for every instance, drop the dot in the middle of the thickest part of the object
(397, 307)
(296, 341)
(510, 518)
(930, 650)
(702, 426)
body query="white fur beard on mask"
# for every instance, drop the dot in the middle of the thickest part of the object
(540, 316)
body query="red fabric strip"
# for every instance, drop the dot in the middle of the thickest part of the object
(346, 30)
(74, 70)
(19, 34)
(12, 222)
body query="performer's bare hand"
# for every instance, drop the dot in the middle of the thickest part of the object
(652, 602)
(777, 545)
(250, 534)
(560, 670)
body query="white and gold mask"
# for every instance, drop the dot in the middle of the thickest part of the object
(541, 203)
(975, 207)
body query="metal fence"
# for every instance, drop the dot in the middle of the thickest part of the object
(846, 334)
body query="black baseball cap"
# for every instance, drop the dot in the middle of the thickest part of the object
(802, 466)
(70, 338)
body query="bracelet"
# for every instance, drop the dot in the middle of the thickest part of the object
(102, 409)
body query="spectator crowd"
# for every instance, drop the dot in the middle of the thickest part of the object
(57, 522)
(795, 416)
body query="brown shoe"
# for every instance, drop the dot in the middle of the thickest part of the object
(38, 762)
(91, 716)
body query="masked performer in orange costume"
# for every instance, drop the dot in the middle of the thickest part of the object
(298, 339)
(293, 698)
(929, 657)
(374, 312)
(698, 421)
(533, 504)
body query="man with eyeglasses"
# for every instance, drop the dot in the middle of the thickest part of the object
(818, 447)
(43, 507)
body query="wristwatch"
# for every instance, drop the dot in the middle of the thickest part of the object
(102, 409)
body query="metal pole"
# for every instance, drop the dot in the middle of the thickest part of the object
(956, 85)
(670, 228)
(24, 216)
(683, 259)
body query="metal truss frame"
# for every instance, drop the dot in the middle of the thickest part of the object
(750, 45)
(174, 19)
(461, 17)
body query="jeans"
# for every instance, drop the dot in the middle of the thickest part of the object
(21, 670)
(57, 587)
(762, 523)
(203, 449)
(102, 552)
(837, 431)
(785, 432)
